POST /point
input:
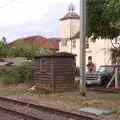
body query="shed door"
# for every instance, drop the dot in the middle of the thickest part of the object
(43, 65)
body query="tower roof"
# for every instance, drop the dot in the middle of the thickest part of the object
(71, 13)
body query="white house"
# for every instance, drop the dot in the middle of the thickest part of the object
(70, 42)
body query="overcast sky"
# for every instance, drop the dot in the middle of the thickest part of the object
(21, 18)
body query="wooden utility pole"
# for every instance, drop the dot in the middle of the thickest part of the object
(82, 46)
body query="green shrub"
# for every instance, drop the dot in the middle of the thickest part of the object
(76, 71)
(6, 75)
(25, 73)
(22, 49)
(17, 74)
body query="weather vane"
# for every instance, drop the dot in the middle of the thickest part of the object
(71, 7)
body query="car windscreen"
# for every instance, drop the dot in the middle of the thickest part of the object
(105, 69)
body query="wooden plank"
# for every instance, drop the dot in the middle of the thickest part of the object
(43, 75)
(64, 78)
(46, 73)
(63, 65)
(45, 79)
(63, 72)
(113, 77)
(44, 82)
(64, 85)
(65, 81)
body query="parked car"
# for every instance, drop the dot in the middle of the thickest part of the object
(101, 77)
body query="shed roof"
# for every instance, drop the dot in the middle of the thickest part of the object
(59, 54)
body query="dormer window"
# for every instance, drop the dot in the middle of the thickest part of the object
(74, 44)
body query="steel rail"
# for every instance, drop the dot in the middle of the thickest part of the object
(18, 114)
(50, 110)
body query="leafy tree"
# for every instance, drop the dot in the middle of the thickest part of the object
(115, 54)
(103, 21)
(21, 49)
(3, 51)
(103, 18)
(4, 40)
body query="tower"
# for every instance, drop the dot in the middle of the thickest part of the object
(69, 23)
(69, 27)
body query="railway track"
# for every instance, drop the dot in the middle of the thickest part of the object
(28, 111)
(107, 90)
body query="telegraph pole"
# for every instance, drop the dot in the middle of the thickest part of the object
(82, 46)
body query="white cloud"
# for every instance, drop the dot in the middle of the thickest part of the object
(16, 13)
(23, 13)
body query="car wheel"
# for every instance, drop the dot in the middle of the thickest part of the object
(104, 82)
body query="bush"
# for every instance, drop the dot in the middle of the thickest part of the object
(17, 74)
(25, 73)
(22, 49)
(76, 71)
(6, 75)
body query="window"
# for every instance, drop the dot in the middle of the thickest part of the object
(116, 41)
(74, 44)
(87, 44)
(105, 69)
(64, 42)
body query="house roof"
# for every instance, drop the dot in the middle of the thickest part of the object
(40, 41)
(77, 35)
(52, 43)
(72, 15)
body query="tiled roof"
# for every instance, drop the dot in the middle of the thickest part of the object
(41, 42)
(72, 15)
(53, 43)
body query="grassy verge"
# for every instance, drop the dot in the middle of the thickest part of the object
(20, 92)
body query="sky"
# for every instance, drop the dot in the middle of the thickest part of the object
(22, 18)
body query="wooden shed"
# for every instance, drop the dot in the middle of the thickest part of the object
(54, 72)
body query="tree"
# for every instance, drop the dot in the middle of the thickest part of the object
(21, 49)
(4, 40)
(3, 51)
(103, 21)
(103, 18)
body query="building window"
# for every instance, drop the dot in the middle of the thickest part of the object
(87, 44)
(74, 44)
(116, 41)
(64, 42)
